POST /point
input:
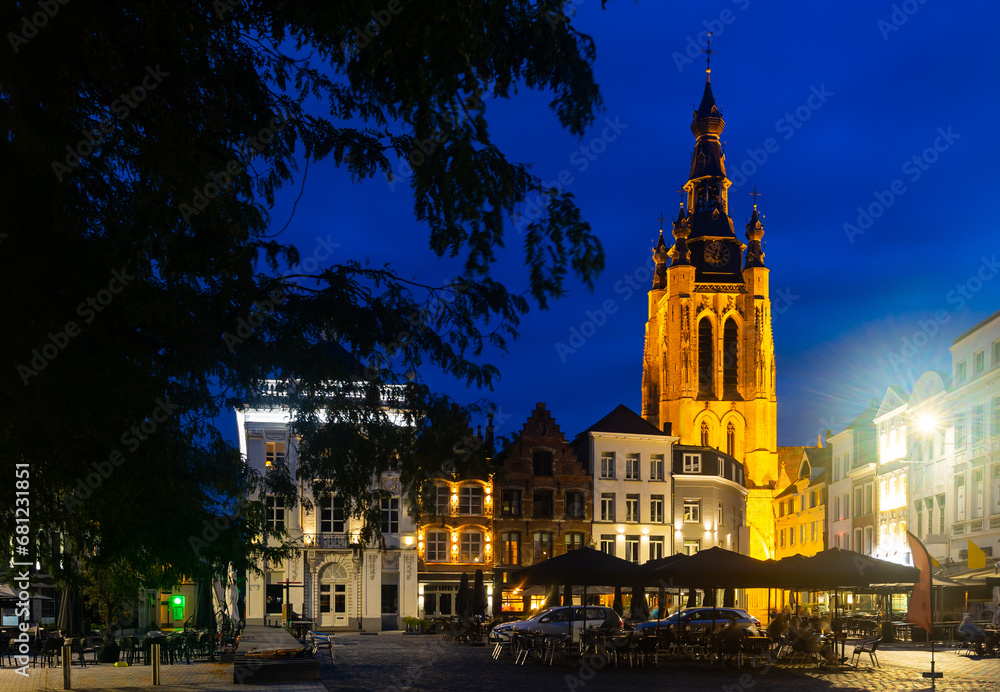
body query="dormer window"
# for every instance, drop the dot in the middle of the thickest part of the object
(274, 454)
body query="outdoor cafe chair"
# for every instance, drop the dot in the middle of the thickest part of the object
(5, 650)
(50, 650)
(78, 647)
(130, 648)
(504, 642)
(866, 647)
(643, 647)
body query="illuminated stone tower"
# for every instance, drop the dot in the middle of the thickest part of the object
(708, 367)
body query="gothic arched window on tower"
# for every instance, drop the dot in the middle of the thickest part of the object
(704, 433)
(731, 439)
(706, 367)
(730, 360)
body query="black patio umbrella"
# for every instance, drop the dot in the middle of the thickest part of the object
(692, 601)
(581, 567)
(567, 595)
(719, 568)
(463, 600)
(616, 605)
(479, 600)
(661, 602)
(204, 615)
(729, 597)
(70, 622)
(709, 599)
(836, 567)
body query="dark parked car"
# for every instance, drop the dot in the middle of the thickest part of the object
(557, 620)
(695, 619)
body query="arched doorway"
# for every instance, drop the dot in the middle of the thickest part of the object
(333, 584)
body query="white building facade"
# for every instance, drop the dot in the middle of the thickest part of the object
(331, 579)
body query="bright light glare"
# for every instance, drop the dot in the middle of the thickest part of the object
(926, 422)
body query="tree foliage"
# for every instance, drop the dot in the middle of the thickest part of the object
(148, 293)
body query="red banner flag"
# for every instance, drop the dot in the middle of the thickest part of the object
(919, 612)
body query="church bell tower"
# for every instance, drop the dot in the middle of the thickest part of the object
(708, 367)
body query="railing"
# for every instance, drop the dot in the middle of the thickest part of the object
(995, 522)
(327, 540)
(976, 525)
(958, 528)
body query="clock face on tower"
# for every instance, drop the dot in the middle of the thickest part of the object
(717, 253)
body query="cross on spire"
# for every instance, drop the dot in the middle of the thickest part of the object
(660, 219)
(755, 195)
(707, 50)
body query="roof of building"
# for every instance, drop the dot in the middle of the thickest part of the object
(624, 421)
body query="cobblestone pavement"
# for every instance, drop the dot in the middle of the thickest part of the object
(200, 676)
(392, 662)
(396, 663)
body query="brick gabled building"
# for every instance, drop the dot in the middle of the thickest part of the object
(543, 505)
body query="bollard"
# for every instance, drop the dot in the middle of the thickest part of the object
(67, 654)
(154, 652)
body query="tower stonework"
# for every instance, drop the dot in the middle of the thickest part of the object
(708, 367)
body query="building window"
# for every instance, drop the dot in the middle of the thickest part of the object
(731, 439)
(656, 509)
(631, 467)
(791, 535)
(941, 513)
(692, 510)
(607, 506)
(274, 454)
(781, 509)
(704, 434)
(960, 431)
(868, 498)
(470, 500)
(858, 493)
(812, 499)
(869, 536)
(978, 363)
(274, 505)
(510, 548)
(608, 543)
(978, 492)
(996, 417)
(390, 515)
(706, 366)
(607, 464)
(781, 539)
(996, 354)
(632, 507)
(858, 547)
(791, 506)
(442, 501)
(656, 460)
(510, 503)
(574, 541)
(470, 547)
(920, 519)
(978, 413)
(730, 359)
(576, 507)
(692, 463)
(542, 462)
(691, 546)
(656, 544)
(996, 489)
(960, 498)
(332, 517)
(960, 373)
(722, 515)
(812, 531)
(542, 541)
(543, 504)
(632, 549)
(437, 546)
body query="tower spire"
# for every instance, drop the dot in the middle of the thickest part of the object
(755, 231)
(707, 50)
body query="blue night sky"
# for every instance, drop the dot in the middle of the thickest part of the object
(860, 101)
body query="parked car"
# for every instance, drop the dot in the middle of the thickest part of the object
(557, 620)
(695, 619)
